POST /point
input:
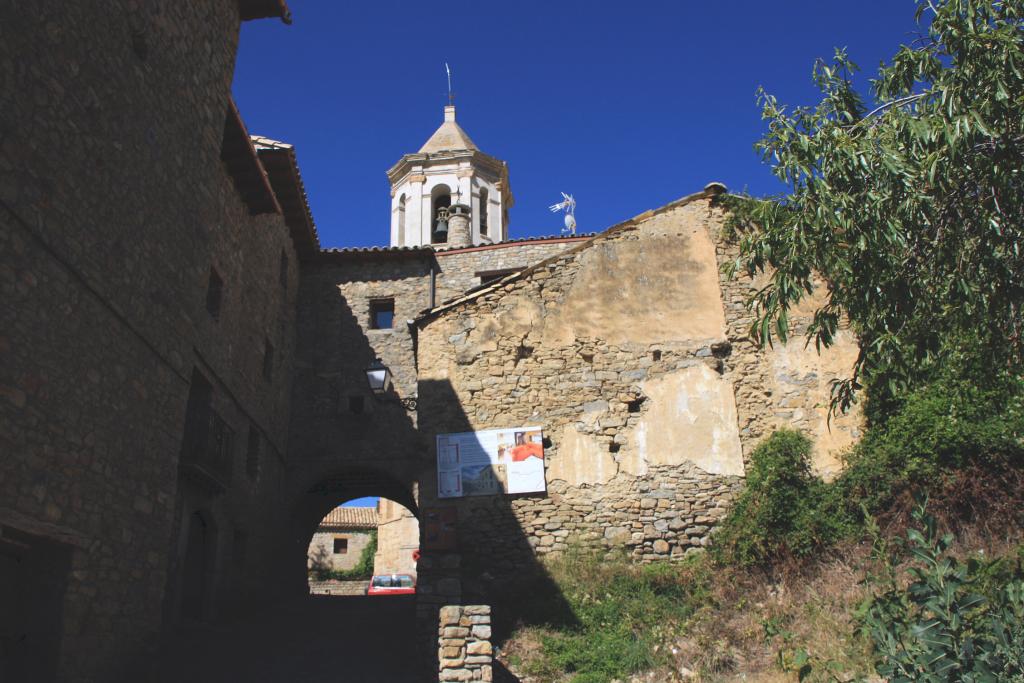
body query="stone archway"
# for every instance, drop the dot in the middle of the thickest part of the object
(313, 502)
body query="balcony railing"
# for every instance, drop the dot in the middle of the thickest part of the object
(208, 453)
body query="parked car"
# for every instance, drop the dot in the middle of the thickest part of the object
(392, 584)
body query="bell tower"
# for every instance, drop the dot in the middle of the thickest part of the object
(449, 193)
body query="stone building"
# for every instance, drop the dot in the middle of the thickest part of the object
(341, 537)
(398, 539)
(183, 387)
(631, 351)
(149, 268)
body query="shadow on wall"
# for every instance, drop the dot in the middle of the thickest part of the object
(498, 564)
(345, 442)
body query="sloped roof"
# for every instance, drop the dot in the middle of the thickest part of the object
(282, 167)
(350, 518)
(711, 190)
(448, 137)
(243, 165)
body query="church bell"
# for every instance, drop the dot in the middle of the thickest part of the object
(441, 227)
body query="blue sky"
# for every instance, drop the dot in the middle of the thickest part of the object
(361, 503)
(626, 105)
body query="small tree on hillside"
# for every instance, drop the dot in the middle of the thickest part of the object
(912, 206)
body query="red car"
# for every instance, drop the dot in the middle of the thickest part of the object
(392, 584)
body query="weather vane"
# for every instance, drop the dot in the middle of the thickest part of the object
(568, 203)
(451, 95)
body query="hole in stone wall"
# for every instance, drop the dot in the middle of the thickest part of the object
(139, 44)
(587, 357)
(546, 442)
(214, 294)
(721, 349)
(614, 447)
(524, 352)
(655, 356)
(634, 405)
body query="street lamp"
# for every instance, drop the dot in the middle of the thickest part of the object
(378, 376)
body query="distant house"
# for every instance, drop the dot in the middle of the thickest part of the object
(339, 540)
(398, 538)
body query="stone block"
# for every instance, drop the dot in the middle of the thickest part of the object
(449, 615)
(481, 631)
(480, 647)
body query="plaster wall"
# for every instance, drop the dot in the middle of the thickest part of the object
(631, 352)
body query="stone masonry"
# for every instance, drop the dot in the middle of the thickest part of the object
(182, 368)
(631, 352)
(115, 206)
(464, 643)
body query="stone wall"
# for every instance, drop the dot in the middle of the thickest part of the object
(464, 643)
(338, 587)
(114, 206)
(459, 269)
(398, 537)
(321, 549)
(337, 420)
(631, 352)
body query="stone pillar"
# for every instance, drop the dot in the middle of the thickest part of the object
(460, 231)
(464, 643)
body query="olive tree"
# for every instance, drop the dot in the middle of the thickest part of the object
(908, 200)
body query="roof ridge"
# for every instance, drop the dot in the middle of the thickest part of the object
(710, 190)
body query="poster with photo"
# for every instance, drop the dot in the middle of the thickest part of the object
(490, 462)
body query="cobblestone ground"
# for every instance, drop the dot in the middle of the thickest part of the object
(317, 639)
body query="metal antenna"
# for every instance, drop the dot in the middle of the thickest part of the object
(451, 95)
(568, 204)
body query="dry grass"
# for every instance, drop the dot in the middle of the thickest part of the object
(750, 624)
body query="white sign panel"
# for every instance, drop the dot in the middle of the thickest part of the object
(491, 462)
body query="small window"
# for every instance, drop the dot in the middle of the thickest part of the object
(382, 314)
(489, 276)
(252, 453)
(268, 360)
(214, 292)
(355, 405)
(284, 269)
(340, 546)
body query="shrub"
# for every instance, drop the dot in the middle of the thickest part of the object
(777, 512)
(938, 628)
(959, 423)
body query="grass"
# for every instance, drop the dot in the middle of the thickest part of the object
(622, 615)
(697, 621)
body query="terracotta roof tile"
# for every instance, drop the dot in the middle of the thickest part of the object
(350, 518)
